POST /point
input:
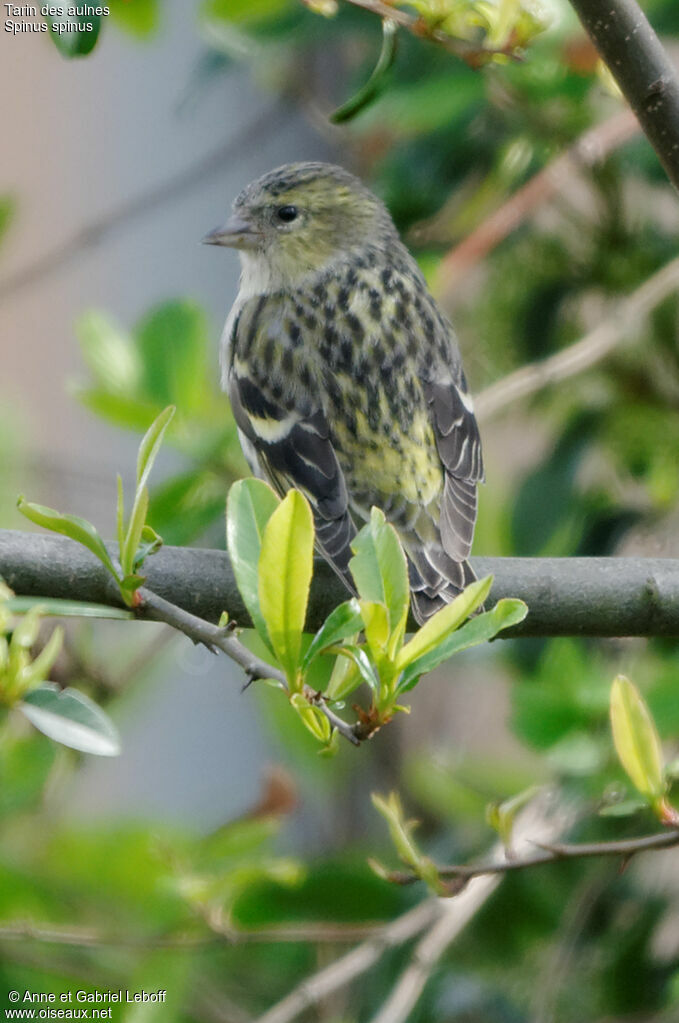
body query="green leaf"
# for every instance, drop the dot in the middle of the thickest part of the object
(362, 661)
(401, 831)
(380, 572)
(624, 808)
(39, 668)
(377, 81)
(173, 343)
(344, 678)
(74, 35)
(344, 621)
(120, 512)
(285, 570)
(71, 718)
(249, 506)
(26, 763)
(376, 620)
(77, 529)
(184, 506)
(507, 612)
(139, 18)
(636, 740)
(150, 543)
(150, 445)
(109, 353)
(129, 586)
(236, 841)
(444, 621)
(25, 633)
(134, 531)
(501, 815)
(128, 412)
(428, 103)
(7, 212)
(244, 10)
(311, 717)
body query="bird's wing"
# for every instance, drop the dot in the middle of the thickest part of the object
(459, 447)
(295, 450)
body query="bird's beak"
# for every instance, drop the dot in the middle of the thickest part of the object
(237, 233)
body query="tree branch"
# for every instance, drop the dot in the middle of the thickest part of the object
(566, 596)
(586, 352)
(353, 964)
(220, 933)
(549, 853)
(455, 914)
(445, 919)
(215, 638)
(647, 78)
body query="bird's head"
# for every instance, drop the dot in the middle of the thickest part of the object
(300, 220)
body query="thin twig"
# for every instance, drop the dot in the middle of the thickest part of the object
(212, 1006)
(550, 853)
(354, 963)
(445, 917)
(456, 914)
(557, 968)
(544, 817)
(586, 352)
(327, 932)
(215, 638)
(21, 930)
(220, 932)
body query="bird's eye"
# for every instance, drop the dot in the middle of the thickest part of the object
(287, 213)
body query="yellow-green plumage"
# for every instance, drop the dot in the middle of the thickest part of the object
(345, 377)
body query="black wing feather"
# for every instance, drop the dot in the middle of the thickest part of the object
(302, 457)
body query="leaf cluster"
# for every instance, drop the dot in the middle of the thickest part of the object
(271, 544)
(67, 716)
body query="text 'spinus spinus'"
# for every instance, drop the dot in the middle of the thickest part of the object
(345, 377)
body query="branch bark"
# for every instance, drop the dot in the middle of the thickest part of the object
(566, 596)
(647, 78)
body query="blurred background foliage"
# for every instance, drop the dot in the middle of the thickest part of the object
(587, 466)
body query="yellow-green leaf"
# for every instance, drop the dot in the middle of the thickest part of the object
(380, 572)
(376, 622)
(285, 569)
(72, 526)
(150, 445)
(312, 718)
(249, 506)
(636, 740)
(445, 621)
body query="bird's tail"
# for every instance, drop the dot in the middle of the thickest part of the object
(435, 580)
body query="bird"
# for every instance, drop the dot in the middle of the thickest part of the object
(345, 377)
